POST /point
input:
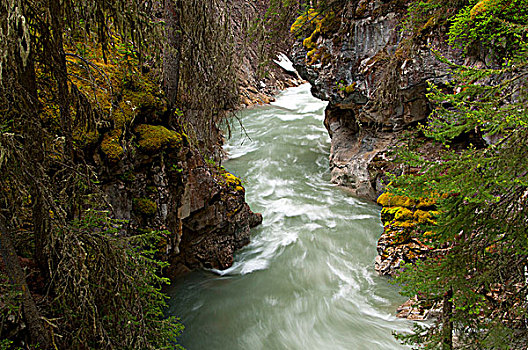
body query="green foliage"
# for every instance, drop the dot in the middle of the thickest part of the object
(480, 238)
(497, 25)
(125, 311)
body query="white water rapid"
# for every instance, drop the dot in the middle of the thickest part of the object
(307, 280)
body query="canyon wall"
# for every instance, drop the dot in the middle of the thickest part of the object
(375, 77)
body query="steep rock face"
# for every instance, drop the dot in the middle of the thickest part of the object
(171, 187)
(375, 79)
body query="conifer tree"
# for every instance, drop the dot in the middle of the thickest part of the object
(480, 269)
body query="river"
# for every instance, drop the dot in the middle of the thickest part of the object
(307, 280)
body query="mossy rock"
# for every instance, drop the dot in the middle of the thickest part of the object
(84, 139)
(311, 53)
(233, 181)
(403, 214)
(111, 147)
(423, 217)
(309, 43)
(309, 16)
(153, 138)
(404, 224)
(426, 203)
(390, 200)
(389, 214)
(145, 206)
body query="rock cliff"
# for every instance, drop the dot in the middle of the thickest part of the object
(170, 186)
(156, 177)
(374, 75)
(260, 78)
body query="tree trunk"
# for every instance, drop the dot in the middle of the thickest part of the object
(447, 323)
(16, 275)
(60, 72)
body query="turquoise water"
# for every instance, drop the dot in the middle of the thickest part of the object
(307, 280)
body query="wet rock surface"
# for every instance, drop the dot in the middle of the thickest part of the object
(375, 77)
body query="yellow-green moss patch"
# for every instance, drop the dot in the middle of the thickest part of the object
(423, 217)
(306, 17)
(84, 139)
(145, 206)
(390, 200)
(111, 147)
(153, 138)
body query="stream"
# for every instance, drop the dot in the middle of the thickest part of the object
(307, 280)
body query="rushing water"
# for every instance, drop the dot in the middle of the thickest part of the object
(307, 279)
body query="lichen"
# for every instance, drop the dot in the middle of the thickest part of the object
(152, 138)
(145, 206)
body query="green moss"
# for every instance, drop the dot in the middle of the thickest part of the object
(83, 139)
(404, 224)
(153, 138)
(307, 17)
(111, 147)
(403, 214)
(426, 203)
(145, 206)
(388, 213)
(423, 217)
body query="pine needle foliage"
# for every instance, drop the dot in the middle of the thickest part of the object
(101, 289)
(480, 271)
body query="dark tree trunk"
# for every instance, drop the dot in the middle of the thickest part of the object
(60, 72)
(172, 50)
(37, 331)
(40, 215)
(447, 323)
